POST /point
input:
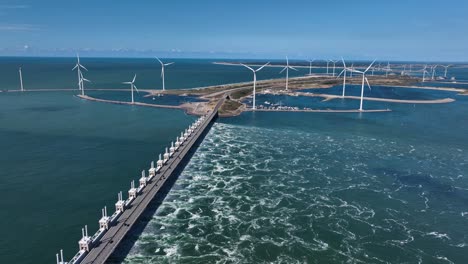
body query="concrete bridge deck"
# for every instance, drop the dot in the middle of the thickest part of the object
(103, 249)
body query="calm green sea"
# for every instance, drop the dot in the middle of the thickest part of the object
(262, 187)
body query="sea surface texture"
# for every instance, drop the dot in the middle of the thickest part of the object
(262, 187)
(339, 188)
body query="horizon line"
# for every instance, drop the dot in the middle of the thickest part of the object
(220, 58)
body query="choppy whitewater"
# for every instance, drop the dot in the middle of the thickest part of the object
(257, 195)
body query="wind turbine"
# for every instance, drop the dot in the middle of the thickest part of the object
(21, 79)
(287, 71)
(334, 64)
(344, 76)
(82, 80)
(78, 67)
(424, 73)
(162, 71)
(328, 61)
(446, 68)
(387, 69)
(254, 80)
(433, 68)
(364, 80)
(132, 86)
(310, 66)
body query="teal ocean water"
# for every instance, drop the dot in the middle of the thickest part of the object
(262, 187)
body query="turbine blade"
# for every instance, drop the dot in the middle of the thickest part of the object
(83, 67)
(344, 64)
(159, 61)
(134, 78)
(134, 86)
(247, 67)
(292, 68)
(341, 73)
(283, 69)
(74, 67)
(259, 69)
(370, 66)
(127, 82)
(170, 63)
(368, 84)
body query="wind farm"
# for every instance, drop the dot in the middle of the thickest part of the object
(240, 92)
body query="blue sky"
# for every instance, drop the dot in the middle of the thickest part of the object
(395, 30)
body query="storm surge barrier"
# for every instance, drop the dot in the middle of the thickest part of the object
(97, 248)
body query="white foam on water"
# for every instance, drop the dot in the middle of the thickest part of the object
(438, 235)
(250, 190)
(444, 259)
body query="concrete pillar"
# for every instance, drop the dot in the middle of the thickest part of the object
(143, 180)
(85, 241)
(120, 204)
(104, 221)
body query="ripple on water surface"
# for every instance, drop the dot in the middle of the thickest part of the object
(245, 198)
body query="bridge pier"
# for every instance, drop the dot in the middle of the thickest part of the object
(172, 149)
(166, 156)
(177, 143)
(152, 171)
(104, 221)
(160, 163)
(182, 138)
(143, 180)
(60, 260)
(85, 241)
(132, 193)
(120, 204)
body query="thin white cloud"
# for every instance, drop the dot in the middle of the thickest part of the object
(18, 27)
(14, 6)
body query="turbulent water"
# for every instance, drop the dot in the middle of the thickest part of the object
(299, 194)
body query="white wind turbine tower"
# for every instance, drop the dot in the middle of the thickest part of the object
(334, 66)
(21, 79)
(446, 68)
(162, 71)
(78, 67)
(424, 73)
(328, 62)
(344, 76)
(387, 69)
(433, 68)
(364, 80)
(287, 71)
(82, 80)
(255, 81)
(352, 68)
(310, 66)
(132, 86)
